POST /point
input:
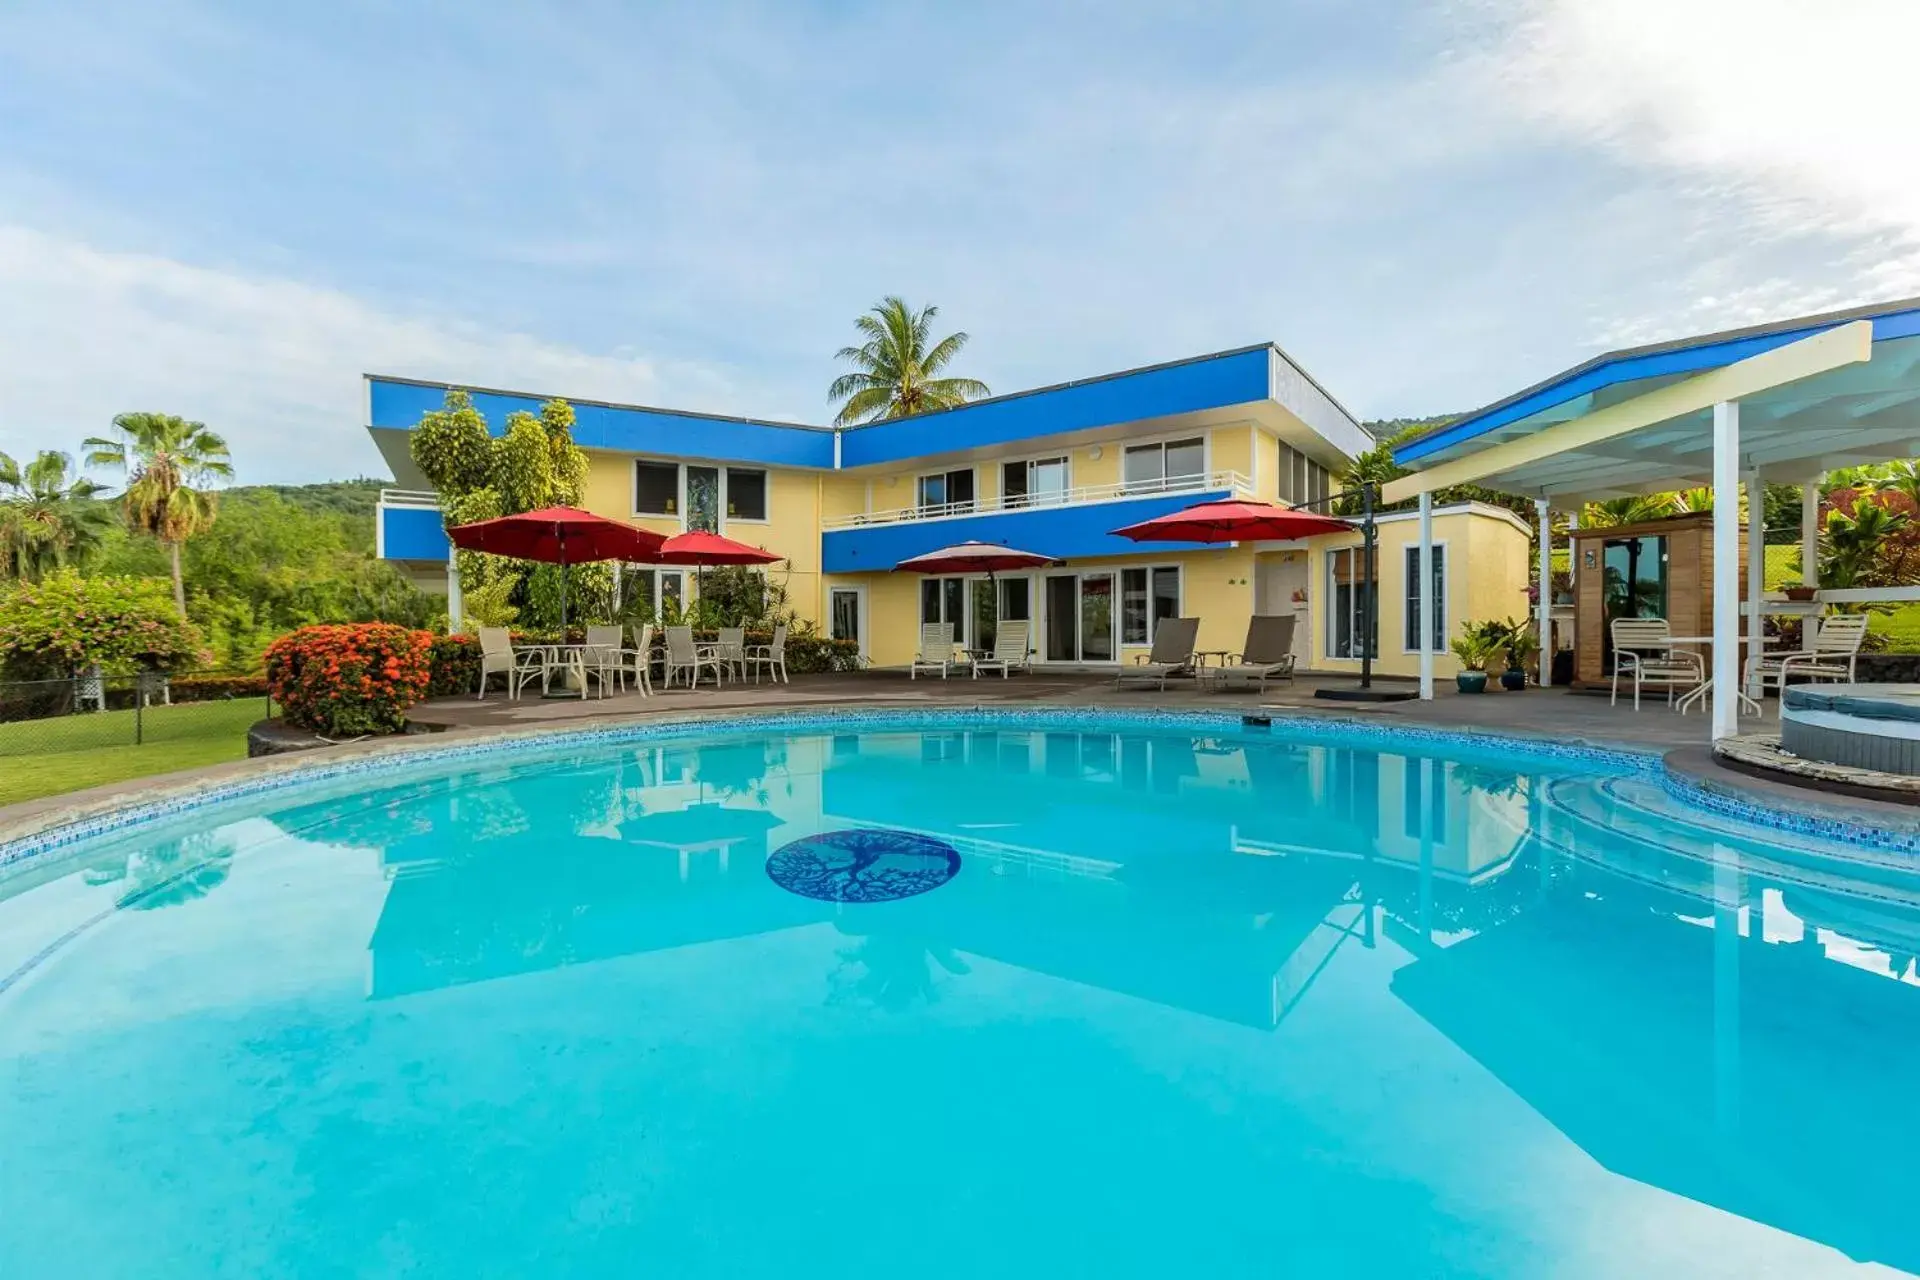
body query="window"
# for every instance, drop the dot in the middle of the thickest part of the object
(1352, 605)
(657, 594)
(1169, 464)
(1148, 597)
(656, 489)
(1439, 599)
(945, 600)
(1036, 482)
(952, 490)
(703, 499)
(746, 494)
(1016, 599)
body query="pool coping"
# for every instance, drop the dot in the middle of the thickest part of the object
(50, 829)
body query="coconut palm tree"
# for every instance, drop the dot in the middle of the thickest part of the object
(48, 516)
(895, 374)
(1619, 511)
(166, 460)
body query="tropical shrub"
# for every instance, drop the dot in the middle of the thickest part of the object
(65, 624)
(453, 665)
(345, 681)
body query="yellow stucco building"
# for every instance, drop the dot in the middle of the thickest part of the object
(1052, 471)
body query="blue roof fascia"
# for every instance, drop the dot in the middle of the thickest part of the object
(1159, 391)
(399, 403)
(1712, 352)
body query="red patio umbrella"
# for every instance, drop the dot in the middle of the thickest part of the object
(1232, 520)
(700, 548)
(558, 535)
(974, 557)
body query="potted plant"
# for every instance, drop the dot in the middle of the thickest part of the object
(1798, 591)
(1521, 646)
(1492, 635)
(1471, 648)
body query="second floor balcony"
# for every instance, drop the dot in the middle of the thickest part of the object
(1192, 486)
(1069, 523)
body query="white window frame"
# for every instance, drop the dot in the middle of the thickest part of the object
(726, 495)
(1120, 600)
(1028, 461)
(1411, 553)
(680, 466)
(679, 490)
(1162, 440)
(1040, 608)
(946, 507)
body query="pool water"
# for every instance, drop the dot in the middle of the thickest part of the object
(1242, 1004)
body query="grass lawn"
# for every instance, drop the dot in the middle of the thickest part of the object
(46, 757)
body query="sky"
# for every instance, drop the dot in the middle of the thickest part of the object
(233, 211)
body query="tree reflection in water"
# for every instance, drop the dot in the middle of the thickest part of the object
(168, 874)
(894, 969)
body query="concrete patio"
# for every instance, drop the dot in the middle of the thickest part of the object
(1555, 713)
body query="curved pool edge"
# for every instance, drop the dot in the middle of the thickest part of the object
(57, 828)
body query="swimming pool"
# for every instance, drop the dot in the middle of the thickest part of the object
(976, 994)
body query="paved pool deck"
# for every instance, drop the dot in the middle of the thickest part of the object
(1559, 714)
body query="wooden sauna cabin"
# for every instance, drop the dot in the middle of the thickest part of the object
(1660, 569)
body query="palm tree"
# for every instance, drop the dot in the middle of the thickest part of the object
(48, 517)
(895, 370)
(164, 459)
(1854, 543)
(1620, 511)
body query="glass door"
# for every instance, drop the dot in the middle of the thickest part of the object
(846, 616)
(1633, 582)
(1096, 617)
(1063, 615)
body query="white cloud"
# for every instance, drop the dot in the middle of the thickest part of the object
(272, 364)
(1789, 117)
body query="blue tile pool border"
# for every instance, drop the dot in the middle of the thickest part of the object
(1321, 730)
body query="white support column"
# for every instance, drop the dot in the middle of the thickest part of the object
(1427, 605)
(1545, 607)
(1810, 535)
(1726, 569)
(1756, 565)
(456, 607)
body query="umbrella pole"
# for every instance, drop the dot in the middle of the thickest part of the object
(563, 586)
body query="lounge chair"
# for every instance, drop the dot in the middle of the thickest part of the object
(1010, 649)
(1643, 651)
(1831, 656)
(936, 650)
(684, 655)
(771, 656)
(1266, 655)
(498, 656)
(1172, 655)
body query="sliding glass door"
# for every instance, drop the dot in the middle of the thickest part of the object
(1080, 617)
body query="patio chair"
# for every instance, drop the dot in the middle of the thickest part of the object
(684, 655)
(498, 655)
(771, 656)
(1172, 655)
(936, 650)
(1643, 651)
(640, 659)
(1010, 649)
(603, 660)
(731, 649)
(1831, 656)
(1266, 655)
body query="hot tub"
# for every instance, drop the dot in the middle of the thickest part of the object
(1862, 726)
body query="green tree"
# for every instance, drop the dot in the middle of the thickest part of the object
(896, 373)
(1854, 544)
(533, 464)
(167, 461)
(65, 623)
(49, 518)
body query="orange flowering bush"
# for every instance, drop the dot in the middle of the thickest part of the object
(349, 680)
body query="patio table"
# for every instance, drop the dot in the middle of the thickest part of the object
(1705, 690)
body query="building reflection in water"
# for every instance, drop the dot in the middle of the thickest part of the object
(1705, 1019)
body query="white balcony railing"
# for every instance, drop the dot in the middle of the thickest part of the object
(424, 498)
(1085, 495)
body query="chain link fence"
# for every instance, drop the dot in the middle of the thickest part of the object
(149, 710)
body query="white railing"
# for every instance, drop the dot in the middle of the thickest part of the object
(1207, 482)
(410, 498)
